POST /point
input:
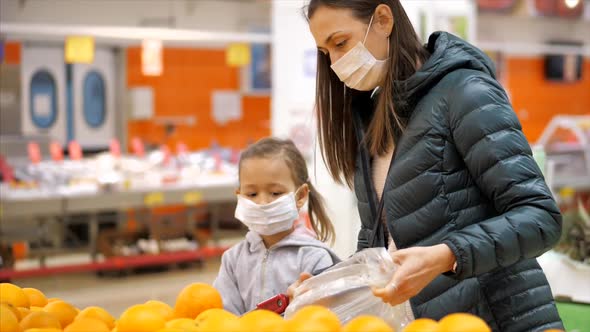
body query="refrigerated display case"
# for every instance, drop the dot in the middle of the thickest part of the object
(563, 151)
(566, 144)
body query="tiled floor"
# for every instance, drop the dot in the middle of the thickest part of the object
(117, 293)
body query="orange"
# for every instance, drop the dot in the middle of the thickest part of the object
(44, 330)
(52, 299)
(171, 329)
(164, 309)
(422, 325)
(261, 321)
(214, 313)
(196, 298)
(228, 325)
(87, 325)
(140, 318)
(13, 309)
(40, 319)
(14, 295)
(33, 308)
(367, 324)
(64, 311)
(36, 297)
(301, 326)
(97, 313)
(180, 323)
(23, 312)
(319, 314)
(462, 322)
(184, 324)
(8, 320)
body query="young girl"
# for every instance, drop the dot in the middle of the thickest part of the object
(274, 186)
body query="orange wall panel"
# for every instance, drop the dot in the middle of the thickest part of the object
(12, 52)
(536, 100)
(189, 78)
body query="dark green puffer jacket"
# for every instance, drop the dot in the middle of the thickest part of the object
(463, 174)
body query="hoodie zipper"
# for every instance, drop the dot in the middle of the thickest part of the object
(264, 260)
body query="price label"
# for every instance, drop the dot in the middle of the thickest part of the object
(153, 199)
(192, 198)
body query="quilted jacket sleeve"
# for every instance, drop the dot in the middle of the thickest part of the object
(488, 136)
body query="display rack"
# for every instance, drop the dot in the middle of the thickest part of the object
(565, 146)
(57, 206)
(566, 143)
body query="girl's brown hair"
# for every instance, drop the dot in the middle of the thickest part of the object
(335, 123)
(274, 147)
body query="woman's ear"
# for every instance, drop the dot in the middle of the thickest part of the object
(237, 192)
(383, 20)
(302, 195)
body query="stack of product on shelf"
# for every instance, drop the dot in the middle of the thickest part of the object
(108, 172)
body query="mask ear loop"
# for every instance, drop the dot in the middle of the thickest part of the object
(368, 29)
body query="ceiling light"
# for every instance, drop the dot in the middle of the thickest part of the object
(571, 4)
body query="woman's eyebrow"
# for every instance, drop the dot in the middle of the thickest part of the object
(331, 35)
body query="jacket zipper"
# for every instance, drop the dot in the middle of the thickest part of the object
(264, 260)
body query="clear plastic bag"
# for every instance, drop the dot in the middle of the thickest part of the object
(346, 289)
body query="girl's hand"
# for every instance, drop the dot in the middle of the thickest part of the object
(418, 266)
(302, 277)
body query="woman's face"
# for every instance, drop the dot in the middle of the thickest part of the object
(337, 30)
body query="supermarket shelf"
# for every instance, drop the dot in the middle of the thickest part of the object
(40, 207)
(116, 263)
(133, 199)
(54, 208)
(57, 204)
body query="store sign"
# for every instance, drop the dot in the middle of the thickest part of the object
(227, 107)
(238, 55)
(495, 5)
(79, 49)
(151, 57)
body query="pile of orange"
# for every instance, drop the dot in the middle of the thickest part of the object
(198, 308)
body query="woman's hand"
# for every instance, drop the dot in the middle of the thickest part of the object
(418, 266)
(302, 277)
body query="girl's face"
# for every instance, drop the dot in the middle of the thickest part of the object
(337, 30)
(263, 180)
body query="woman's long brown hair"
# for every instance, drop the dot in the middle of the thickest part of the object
(335, 124)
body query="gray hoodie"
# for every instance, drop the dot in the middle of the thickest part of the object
(250, 273)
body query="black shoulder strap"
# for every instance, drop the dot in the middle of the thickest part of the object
(377, 234)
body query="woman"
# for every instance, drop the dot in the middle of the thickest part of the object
(439, 164)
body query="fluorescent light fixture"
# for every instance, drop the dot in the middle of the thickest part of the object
(118, 35)
(571, 4)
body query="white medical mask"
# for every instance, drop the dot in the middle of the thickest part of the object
(268, 219)
(358, 68)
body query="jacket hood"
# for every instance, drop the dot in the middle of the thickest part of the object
(300, 237)
(448, 53)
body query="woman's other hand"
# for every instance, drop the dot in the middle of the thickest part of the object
(418, 266)
(302, 277)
